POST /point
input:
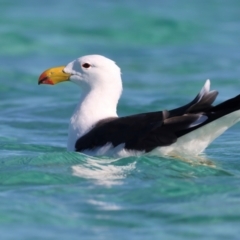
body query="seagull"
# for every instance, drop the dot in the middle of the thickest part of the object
(96, 129)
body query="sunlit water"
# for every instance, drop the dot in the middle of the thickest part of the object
(166, 51)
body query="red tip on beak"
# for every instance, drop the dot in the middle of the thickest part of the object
(44, 79)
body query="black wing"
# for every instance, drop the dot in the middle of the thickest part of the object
(138, 132)
(147, 131)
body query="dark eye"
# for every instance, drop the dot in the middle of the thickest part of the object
(86, 65)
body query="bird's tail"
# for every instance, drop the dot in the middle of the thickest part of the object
(219, 118)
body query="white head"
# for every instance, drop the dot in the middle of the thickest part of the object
(93, 71)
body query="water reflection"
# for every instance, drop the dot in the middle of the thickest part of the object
(106, 172)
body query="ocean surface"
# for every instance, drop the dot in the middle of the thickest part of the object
(166, 51)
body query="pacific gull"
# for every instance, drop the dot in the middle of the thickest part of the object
(96, 129)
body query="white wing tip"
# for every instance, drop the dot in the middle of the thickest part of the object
(207, 85)
(206, 88)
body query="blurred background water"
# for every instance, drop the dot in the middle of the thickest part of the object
(166, 50)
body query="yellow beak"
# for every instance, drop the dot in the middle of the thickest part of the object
(53, 76)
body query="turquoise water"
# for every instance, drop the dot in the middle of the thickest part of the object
(166, 50)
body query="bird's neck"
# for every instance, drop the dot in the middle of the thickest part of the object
(94, 105)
